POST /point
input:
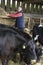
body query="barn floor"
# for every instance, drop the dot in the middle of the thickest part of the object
(22, 63)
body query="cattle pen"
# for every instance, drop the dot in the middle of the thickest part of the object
(3, 21)
(22, 63)
(33, 14)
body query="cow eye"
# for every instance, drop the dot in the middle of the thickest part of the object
(24, 46)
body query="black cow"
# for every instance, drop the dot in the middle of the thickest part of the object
(11, 40)
(31, 41)
(38, 30)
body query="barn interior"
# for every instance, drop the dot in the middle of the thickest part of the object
(33, 14)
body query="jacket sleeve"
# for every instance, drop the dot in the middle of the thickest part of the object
(15, 15)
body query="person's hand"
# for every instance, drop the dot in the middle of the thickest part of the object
(7, 14)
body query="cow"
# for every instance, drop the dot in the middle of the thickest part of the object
(38, 31)
(38, 49)
(12, 40)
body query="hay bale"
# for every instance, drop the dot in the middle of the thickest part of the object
(7, 21)
(2, 11)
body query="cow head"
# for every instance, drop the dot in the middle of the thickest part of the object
(31, 47)
(29, 53)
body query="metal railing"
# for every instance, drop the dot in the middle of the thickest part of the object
(11, 5)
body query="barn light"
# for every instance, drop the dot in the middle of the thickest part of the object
(15, 3)
(5, 2)
(11, 3)
(0, 2)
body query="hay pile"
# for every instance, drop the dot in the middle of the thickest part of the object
(2, 11)
(7, 21)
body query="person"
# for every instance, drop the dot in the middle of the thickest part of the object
(19, 16)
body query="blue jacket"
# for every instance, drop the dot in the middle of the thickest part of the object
(20, 21)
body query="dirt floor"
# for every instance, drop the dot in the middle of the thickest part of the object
(22, 63)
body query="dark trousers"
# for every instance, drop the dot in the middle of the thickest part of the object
(21, 29)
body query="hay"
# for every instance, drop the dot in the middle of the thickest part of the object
(7, 21)
(2, 11)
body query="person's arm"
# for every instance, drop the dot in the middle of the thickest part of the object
(15, 15)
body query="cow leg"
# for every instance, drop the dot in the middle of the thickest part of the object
(29, 63)
(4, 60)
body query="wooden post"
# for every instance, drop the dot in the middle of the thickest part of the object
(29, 24)
(13, 5)
(28, 8)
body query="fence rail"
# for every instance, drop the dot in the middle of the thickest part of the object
(32, 11)
(11, 5)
